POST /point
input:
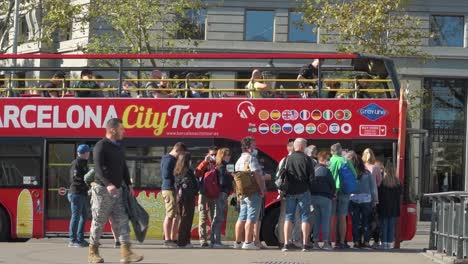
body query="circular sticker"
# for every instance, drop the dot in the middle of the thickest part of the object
(346, 128)
(310, 128)
(263, 128)
(275, 115)
(299, 128)
(286, 115)
(275, 128)
(62, 191)
(287, 128)
(294, 115)
(263, 115)
(328, 114)
(334, 128)
(322, 128)
(347, 114)
(339, 114)
(304, 115)
(316, 114)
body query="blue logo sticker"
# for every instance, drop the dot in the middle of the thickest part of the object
(373, 112)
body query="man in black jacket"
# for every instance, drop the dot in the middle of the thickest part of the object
(77, 196)
(111, 173)
(300, 174)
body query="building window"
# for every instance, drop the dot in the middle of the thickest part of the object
(259, 25)
(192, 25)
(298, 31)
(447, 31)
(23, 30)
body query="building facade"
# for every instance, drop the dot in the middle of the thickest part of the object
(271, 26)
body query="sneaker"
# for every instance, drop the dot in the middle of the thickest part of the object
(237, 245)
(218, 246)
(117, 244)
(75, 245)
(305, 248)
(327, 246)
(169, 244)
(260, 245)
(286, 247)
(204, 245)
(249, 246)
(188, 246)
(376, 245)
(339, 246)
(316, 245)
(356, 245)
(84, 243)
(366, 246)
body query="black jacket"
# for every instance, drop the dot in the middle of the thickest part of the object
(323, 183)
(300, 173)
(78, 169)
(224, 178)
(110, 164)
(389, 201)
(187, 185)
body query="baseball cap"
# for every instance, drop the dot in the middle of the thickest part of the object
(83, 148)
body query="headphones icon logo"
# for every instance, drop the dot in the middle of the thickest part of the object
(245, 109)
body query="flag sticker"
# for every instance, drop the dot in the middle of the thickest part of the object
(299, 128)
(316, 115)
(334, 128)
(287, 128)
(275, 115)
(263, 128)
(339, 114)
(322, 128)
(304, 115)
(328, 114)
(252, 128)
(286, 115)
(347, 114)
(275, 128)
(310, 128)
(346, 128)
(294, 115)
(263, 115)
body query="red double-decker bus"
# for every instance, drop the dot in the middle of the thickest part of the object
(39, 135)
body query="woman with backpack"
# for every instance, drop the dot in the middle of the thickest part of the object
(323, 190)
(225, 183)
(389, 206)
(186, 189)
(362, 202)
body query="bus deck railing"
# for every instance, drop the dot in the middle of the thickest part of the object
(449, 223)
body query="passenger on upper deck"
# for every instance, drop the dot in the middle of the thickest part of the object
(309, 71)
(159, 83)
(56, 82)
(86, 82)
(255, 86)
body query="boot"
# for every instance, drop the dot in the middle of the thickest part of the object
(93, 255)
(127, 255)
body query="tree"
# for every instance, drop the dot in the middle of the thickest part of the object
(6, 22)
(380, 27)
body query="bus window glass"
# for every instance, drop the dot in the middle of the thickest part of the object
(20, 171)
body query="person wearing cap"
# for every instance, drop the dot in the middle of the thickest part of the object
(77, 195)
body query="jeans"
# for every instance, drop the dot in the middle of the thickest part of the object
(296, 232)
(303, 201)
(387, 229)
(79, 207)
(219, 211)
(360, 214)
(250, 208)
(322, 216)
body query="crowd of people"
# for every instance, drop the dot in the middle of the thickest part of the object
(313, 187)
(159, 85)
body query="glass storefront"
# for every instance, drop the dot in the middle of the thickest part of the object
(445, 119)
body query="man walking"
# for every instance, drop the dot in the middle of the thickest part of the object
(78, 197)
(300, 174)
(106, 195)
(171, 222)
(205, 204)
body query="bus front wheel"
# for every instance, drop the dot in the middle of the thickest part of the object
(270, 227)
(4, 226)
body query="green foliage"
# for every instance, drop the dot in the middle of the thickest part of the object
(380, 27)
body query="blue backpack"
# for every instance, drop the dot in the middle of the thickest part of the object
(347, 179)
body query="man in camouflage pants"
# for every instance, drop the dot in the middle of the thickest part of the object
(106, 194)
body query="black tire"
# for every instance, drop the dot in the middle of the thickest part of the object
(4, 226)
(269, 226)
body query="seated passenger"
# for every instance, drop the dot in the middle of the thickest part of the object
(309, 71)
(330, 85)
(86, 82)
(363, 85)
(55, 84)
(256, 86)
(159, 83)
(126, 89)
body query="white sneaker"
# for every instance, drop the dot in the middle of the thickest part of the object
(219, 246)
(327, 246)
(237, 245)
(250, 246)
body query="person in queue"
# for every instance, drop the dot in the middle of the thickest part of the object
(249, 205)
(368, 158)
(205, 204)
(186, 189)
(389, 206)
(300, 173)
(106, 195)
(171, 220)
